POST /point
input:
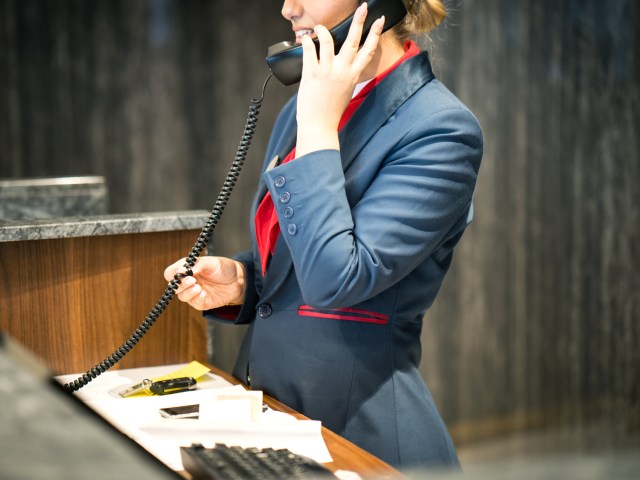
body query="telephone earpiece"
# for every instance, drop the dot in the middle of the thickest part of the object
(285, 58)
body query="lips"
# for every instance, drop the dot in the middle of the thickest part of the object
(302, 32)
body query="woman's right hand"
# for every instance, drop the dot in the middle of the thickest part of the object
(216, 282)
(328, 82)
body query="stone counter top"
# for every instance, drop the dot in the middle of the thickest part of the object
(30, 198)
(70, 227)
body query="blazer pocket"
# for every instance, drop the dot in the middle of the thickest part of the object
(348, 314)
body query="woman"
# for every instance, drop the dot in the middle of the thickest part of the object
(354, 226)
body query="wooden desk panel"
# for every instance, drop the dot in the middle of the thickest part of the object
(74, 301)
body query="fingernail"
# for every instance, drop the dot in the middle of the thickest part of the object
(362, 10)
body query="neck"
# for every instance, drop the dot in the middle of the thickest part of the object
(389, 50)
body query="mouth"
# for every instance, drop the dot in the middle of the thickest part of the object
(301, 32)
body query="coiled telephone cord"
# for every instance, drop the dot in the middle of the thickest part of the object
(192, 257)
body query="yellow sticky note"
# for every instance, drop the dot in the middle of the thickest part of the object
(195, 370)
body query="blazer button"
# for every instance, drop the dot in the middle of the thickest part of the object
(279, 181)
(292, 229)
(264, 310)
(288, 212)
(285, 197)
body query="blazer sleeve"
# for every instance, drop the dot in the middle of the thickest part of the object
(345, 254)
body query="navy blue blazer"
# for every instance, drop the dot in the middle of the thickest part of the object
(367, 237)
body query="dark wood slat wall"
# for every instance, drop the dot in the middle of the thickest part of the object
(539, 320)
(152, 94)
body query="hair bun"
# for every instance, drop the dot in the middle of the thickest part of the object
(422, 17)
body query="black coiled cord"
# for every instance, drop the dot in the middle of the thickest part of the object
(194, 254)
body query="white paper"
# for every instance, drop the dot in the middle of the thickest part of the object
(228, 421)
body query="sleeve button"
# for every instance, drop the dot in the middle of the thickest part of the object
(285, 197)
(288, 212)
(279, 181)
(292, 229)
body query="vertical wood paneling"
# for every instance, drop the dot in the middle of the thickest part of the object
(539, 320)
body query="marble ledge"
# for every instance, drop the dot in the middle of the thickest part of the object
(99, 225)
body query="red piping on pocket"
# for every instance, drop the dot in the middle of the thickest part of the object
(350, 314)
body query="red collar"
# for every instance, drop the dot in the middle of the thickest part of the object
(410, 49)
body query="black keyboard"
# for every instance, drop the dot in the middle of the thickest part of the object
(226, 463)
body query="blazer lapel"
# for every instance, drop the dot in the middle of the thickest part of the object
(279, 267)
(381, 103)
(283, 150)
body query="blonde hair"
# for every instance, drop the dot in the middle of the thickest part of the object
(422, 17)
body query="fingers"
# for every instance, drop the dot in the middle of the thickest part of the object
(351, 53)
(206, 266)
(183, 288)
(215, 281)
(326, 44)
(366, 53)
(352, 43)
(309, 55)
(190, 293)
(174, 268)
(188, 290)
(350, 47)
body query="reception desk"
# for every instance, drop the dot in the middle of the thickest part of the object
(72, 290)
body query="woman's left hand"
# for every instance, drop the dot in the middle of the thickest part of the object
(328, 82)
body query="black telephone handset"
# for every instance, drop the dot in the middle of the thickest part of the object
(285, 58)
(285, 61)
